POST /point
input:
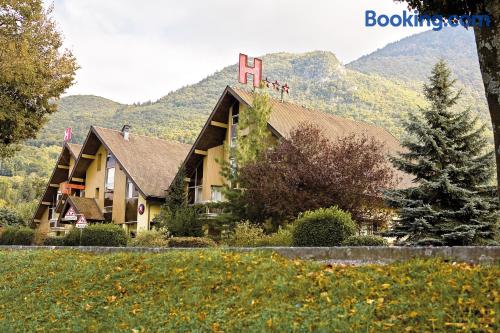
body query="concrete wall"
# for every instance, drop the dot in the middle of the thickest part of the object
(348, 255)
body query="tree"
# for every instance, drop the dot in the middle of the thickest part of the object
(253, 134)
(488, 49)
(9, 218)
(308, 171)
(33, 70)
(179, 218)
(447, 154)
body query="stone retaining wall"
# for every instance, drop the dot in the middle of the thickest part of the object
(350, 255)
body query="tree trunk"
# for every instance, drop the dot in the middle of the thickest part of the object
(488, 49)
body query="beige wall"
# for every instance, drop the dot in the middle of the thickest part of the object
(95, 179)
(142, 220)
(211, 171)
(118, 215)
(71, 164)
(151, 209)
(44, 226)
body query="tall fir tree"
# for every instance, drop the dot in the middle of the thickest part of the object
(453, 202)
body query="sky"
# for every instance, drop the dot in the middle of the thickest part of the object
(135, 51)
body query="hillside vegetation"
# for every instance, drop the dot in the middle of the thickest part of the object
(219, 291)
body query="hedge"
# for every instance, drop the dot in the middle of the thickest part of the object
(323, 227)
(54, 241)
(365, 240)
(149, 238)
(191, 242)
(17, 236)
(97, 235)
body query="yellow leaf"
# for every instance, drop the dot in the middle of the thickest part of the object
(269, 322)
(370, 301)
(413, 314)
(386, 286)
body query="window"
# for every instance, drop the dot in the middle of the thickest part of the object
(234, 124)
(131, 201)
(99, 162)
(234, 130)
(131, 190)
(96, 196)
(110, 173)
(217, 193)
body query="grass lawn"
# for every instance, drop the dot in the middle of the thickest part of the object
(217, 291)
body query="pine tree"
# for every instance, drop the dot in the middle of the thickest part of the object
(452, 202)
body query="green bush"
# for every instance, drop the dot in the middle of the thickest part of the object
(365, 240)
(283, 237)
(104, 235)
(184, 222)
(97, 235)
(246, 234)
(54, 241)
(73, 237)
(191, 242)
(323, 227)
(149, 238)
(9, 218)
(17, 236)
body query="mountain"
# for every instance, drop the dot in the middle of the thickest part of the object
(317, 79)
(411, 59)
(379, 88)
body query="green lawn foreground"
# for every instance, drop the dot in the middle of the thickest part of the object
(223, 291)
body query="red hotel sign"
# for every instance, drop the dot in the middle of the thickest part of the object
(245, 69)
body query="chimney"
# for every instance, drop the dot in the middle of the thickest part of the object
(126, 132)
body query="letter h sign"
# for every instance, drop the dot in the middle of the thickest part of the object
(245, 69)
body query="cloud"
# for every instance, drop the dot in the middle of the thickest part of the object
(135, 51)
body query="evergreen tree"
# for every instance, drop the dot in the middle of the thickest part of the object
(452, 202)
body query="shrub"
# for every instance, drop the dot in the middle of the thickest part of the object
(323, 227)
(54, 241)
(149, 238)
(104, 235)
(9, 218)
(365, 240)
(247, 234)
(283, 237)
(184, 222)
(191, 242)
(17, 236)
(73, 237)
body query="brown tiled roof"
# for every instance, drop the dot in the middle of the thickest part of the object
(87, 207)
(287, 116)
(74, 149)
(151, 163)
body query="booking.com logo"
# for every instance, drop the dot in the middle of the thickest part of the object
(407, 19)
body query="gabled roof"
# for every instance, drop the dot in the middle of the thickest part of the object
(85, 206)
(284, 118)
(74, 149)
(150, 163)
(287, 116)
(59, 175)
